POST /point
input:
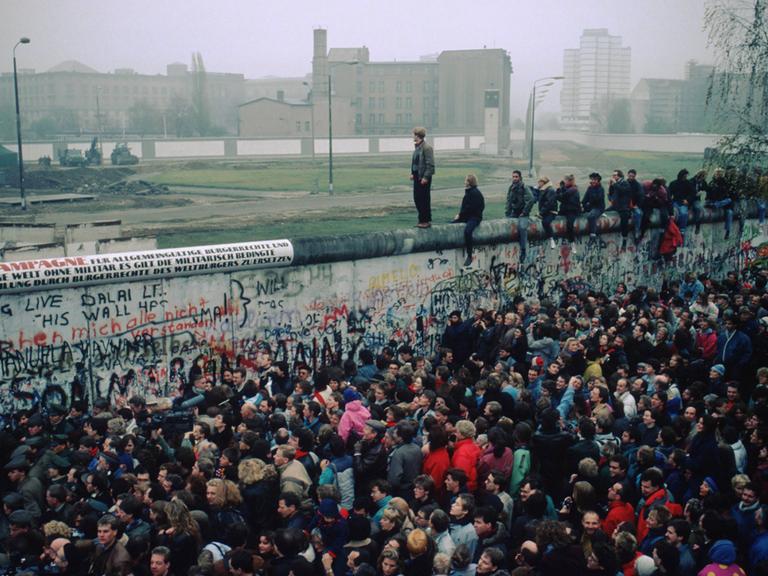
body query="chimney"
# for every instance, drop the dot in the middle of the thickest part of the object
(320, 63)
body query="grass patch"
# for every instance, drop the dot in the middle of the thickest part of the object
(349, 177)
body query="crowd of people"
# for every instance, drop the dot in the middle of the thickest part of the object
(600, 434)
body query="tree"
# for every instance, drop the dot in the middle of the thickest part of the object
(202, 115)
(738, 92)
(143, 118)
(619, 119)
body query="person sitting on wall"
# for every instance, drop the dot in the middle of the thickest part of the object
(471, 213)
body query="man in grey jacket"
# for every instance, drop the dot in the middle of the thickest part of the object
(519, 204)
(404, 460)
(422, 170)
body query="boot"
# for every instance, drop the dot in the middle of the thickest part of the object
(552, 243)
(468, 261)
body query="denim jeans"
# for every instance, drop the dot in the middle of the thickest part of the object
(697, 213)
(682, 217)
(546, 223)
(522, 231)
(637, 218)
(469, 230)
(761, 205)
(592, 218)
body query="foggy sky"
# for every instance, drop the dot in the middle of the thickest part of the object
(260, 39)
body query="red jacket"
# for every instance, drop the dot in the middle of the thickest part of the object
(661, 496)
(618, 512)
(436, 464)
(671, 240)
(465, 456)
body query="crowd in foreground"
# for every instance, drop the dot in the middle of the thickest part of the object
(601, 434)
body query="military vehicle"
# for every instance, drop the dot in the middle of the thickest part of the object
(121, 155)
(71, 157)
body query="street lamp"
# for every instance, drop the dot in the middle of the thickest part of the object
(549, 81)
(330, 127)
(23, 40)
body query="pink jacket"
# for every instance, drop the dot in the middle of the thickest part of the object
(354, 417)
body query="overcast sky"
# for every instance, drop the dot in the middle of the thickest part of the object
(260, 39)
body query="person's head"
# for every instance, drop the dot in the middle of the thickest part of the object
(485, 521)
(106, 530)
(470, 181)
(380, 489)
(284, 455)
(389, 562)
(463, 506)
(595, 179)
(678, 531)
(455, 478)
(240, 562)
(160, 561)
(417, 542)
(287, 504)
(490, 561)
(419, 133)
(590, 522)
(651, 481)
(666, 557)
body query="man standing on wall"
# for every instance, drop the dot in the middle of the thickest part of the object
(519, 204)
(422, 170)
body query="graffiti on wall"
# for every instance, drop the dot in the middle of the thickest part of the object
(142, 337)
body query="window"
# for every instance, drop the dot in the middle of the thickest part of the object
(427, 86)
(399, 118)
(408, 118)
(408, 86)
(306, 126)
(408, 103)
(382, 102)
(382, 87)
(399, 86)
(381, 118)
(398, 102)
(371, 102)
(298, 125)
(372, 86)
(359, 86)
(371, 119)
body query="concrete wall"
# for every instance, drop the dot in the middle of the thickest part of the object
(139, 320)
(90, 231)
(20, 234)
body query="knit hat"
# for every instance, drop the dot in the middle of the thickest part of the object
(719, 368)
(329, 508)
(712, 484)
(645, 566)
(350, 395)
(723, 552)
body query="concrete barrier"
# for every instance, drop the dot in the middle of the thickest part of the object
(90, 231)
(21, 234)
(142, 318)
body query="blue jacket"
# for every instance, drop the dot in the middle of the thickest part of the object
(594, 198)
(734, 350)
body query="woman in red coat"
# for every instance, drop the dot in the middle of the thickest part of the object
(436, 460)
(466, 453)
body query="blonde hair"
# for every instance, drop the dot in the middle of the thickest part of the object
(227, 493)
(417, 541)
(54, 528)
(252, 470)
(465, 428)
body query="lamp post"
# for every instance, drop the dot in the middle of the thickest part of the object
(550, 80)
(23, 40)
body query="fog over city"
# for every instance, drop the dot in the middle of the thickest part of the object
(261, 39)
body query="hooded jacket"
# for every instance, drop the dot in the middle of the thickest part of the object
(354, 419)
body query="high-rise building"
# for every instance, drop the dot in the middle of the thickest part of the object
(596, 73)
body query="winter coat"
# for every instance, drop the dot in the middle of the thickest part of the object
(594, 198)
(341, 473)
(260, 503)
(404, 466)
(463, 532)
(660, 497)
(519, 201)
(353, 420)
(682, 190)
(547, 200)
(620, 195)
(671, 240)
(734, 350)
(466, 455)
(618, 512)
(488, 463)
(569, 200)
(435, 465)
(472, 205)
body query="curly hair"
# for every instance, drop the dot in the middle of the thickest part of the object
(551, 532)
(253, 470)
(227, 493)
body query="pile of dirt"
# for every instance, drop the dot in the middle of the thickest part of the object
(137, 187)
(71, 179)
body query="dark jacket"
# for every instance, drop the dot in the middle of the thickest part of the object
(404, 466)
(260, 503)
(620, 195)
(370, 461)
(682, 190)
(594, 198)
(519, 200)
(547, 201)
(472, 205)
(569, 200)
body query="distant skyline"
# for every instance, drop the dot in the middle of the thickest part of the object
(260, 39)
